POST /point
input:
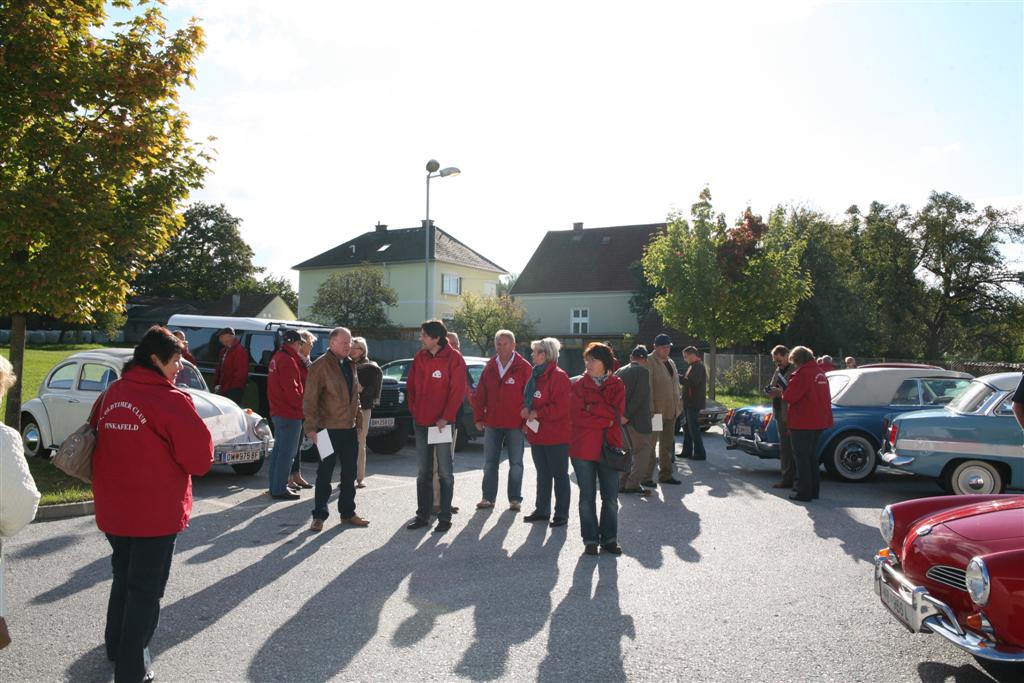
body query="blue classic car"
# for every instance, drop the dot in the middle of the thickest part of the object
(973, 445)
(863, 401)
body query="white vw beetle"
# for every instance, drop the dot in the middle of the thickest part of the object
(241, 438)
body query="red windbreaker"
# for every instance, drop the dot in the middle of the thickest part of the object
(285, 383)
(593, 411)
(436, 386)
(809, 399)
(150, 440)
(498, 401)
(551, 401)
(233, 369)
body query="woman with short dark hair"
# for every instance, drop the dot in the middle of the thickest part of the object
(596, 404)
(149, 443)
(809, 413)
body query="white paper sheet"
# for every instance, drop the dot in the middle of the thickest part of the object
(656, 422)
(435, 435)
(323, 443)
(533, 425)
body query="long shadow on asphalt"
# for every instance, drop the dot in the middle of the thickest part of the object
(585, 639)
(936, 672)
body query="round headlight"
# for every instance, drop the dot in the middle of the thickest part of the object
(886, 524)
(977, 581)
(401, 397)
(262, 429)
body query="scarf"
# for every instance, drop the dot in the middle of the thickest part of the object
(531, 386)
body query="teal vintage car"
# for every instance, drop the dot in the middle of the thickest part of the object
(972, 446)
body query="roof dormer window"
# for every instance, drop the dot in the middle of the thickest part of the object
(383, 247)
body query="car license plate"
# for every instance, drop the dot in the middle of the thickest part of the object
(376, 422)
(241, 456)
(743, 430)
(900, 608)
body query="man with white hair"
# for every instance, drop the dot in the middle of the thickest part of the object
(497, 411)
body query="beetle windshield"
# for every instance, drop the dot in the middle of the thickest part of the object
(973, 398)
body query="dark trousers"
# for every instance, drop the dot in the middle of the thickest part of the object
(140, 567)
(426, 455)
(693, 439)
(592, 475)
(808, 472)
(346, 452)
(235, 395)
(552, 463)
(787, 466)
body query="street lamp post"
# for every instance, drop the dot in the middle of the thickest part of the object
(428, 232)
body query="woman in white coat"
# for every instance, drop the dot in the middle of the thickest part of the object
(18, 493)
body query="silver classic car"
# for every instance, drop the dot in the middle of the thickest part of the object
(241, 438)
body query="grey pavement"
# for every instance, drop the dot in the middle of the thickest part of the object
(722, 579)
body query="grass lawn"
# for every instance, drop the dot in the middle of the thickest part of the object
(38, 361)
(741, 400)
(56, 486)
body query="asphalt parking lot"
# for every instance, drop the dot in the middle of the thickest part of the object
(723, 578)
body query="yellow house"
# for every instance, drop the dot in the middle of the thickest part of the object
(455, 270)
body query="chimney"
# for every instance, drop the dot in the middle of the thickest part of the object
(236, 301)
(381, 227)
(577, 227)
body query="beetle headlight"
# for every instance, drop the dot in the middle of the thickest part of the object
(262, 430)
(401, 397)
(886, 524)
(977, 581)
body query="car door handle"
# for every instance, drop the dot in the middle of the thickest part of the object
(73, 400)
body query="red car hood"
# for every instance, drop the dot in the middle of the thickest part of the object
(993, 526)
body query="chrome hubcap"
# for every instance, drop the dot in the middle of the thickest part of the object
(30, 437)
(853, 458)
(976, 482)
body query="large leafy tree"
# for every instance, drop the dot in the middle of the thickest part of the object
(726, 285)
(357, 298)
(479, 318)
(207, 259)
(95, 156)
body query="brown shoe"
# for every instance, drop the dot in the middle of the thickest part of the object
(355, 520)
(316, 525)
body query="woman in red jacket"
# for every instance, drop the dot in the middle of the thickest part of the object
(546, 411)
(597, 401)
(809, 413)
(149, 443)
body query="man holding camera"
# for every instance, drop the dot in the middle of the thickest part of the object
(778, 384)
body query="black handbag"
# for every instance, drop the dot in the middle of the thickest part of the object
(613, 457)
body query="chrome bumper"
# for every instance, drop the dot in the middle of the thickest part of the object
(238, 453)
(892, 459)
(754, 443)
(919, 612)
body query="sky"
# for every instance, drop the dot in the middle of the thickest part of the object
(326, 113)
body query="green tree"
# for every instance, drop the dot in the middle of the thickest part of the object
(726, 285)
(479, 318)
(506, 283)
(206, 260)
(644, 293)
(96, 157)
(357, 299)
(281, 286)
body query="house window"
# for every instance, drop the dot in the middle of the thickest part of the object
(451, 284)
(579, 321)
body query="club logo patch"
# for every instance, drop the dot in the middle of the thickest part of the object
(510, 380)
(437, 374)
(536, 394)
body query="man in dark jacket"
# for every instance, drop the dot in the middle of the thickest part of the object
(695, 387)
(637, 419)
(778, 384)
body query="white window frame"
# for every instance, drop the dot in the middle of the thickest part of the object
(446, 279)
(579, 320)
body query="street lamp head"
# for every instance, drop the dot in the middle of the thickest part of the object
(432, 166)
(450, 171)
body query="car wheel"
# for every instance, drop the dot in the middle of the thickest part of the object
(851, 457)
(32, 438)
(248, 467)
(387, 444)
(976, 477)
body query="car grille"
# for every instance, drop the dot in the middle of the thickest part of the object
(389, 396)
(948, 576)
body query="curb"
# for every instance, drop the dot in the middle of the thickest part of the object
(65, 510)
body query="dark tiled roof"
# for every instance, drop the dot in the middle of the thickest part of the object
(404, 244)
(652, 325)
(249, 305)
(156, 309)
(591, 260)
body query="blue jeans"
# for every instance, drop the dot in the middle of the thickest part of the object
(141, 567)
(425, 454)
(346, 451)
(513, 440)
(287, 436)
(552, 463)
(591, 475)
(693, 441)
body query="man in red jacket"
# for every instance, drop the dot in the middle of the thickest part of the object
(810, 413)
(435, 389)
(233, 369)
(284, 391)
(497, 412)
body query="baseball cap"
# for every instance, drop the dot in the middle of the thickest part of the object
(291, 336)
(226, 330)
(662, 340)
(639, 352)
